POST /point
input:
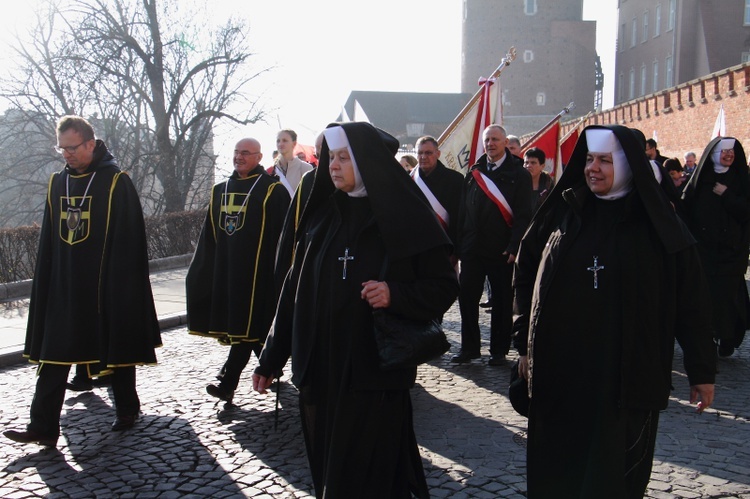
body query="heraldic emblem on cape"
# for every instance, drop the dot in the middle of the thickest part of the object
(75, 214)
(233, 209)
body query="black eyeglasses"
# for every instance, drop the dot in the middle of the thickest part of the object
(69, 149)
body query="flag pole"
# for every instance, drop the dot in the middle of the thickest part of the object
(509, 57)
(582, 120)
(564, 111)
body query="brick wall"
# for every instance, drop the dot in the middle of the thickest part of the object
(684, 116)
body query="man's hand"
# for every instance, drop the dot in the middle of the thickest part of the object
(511, 257)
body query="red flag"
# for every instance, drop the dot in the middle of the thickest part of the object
(567, 146)
(547, 140)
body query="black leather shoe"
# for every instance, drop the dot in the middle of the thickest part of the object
(219, 393)
(486, 304)
(124, 422)
(464, 357)
(30, 437)
(79, 384)
(496, 360)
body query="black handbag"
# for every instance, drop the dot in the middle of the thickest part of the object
(405, 343)
(518, 391)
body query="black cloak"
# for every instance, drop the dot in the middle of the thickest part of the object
(231, 291)
(721, 224)
(91, 300)
(592, 423)
(357, 419)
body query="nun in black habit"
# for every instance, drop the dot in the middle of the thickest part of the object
(363, 211)
(717, 198)
(602, 273)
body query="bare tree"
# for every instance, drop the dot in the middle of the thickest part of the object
(154, 84)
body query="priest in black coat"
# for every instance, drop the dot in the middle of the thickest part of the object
(602, 276)
(231, 290)
(717, 200)
(364, 218)
(91, 301)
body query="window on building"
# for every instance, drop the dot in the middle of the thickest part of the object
(530, 7)
(656, 76)
(622, 37)
(634, 33)
(745, 57)
(668, 68)
(643, 80)
(541, 99)
(644, 36)
(620, 86)
(747, 12)
(672, 14)
(631, 90)
(657, 20)
(528, 56)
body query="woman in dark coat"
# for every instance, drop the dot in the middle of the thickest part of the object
(717, 199)
(602, 272)
(356, 418)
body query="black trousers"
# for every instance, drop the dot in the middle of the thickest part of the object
(500, 275)
(50, 395)
(239, 356)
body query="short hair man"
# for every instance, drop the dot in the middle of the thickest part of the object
(690, 163)
(441, 185)
(514, 145)
(231, 291)
(494, 213)
(653, 153)
(91, 300)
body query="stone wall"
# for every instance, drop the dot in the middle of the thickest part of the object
(683, 117)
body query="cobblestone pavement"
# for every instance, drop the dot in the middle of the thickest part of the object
(472, 441)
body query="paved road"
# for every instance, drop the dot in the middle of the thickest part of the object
(472, 442)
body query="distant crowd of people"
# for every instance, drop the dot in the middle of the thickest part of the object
(293, 260)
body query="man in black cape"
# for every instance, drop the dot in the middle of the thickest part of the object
(231, 291)
(717, 200)
(372, 243)
(602, 275)
(91, 300)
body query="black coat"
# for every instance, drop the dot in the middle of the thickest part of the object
(483, 231)
(654, 284)
(422, 286)
(446, 185)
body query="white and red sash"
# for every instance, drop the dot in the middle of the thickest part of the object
(489, 188)
(438, 208)
(273, 170)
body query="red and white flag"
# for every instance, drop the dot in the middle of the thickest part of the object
(720, 127)
(567, 145)
(547, 139)
(461, 143)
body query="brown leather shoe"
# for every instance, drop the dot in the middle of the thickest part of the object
(31, 437)
(124, 422)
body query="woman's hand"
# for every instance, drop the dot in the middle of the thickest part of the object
(376, 293)
(719, 188)
(261, 383)
(523, 366)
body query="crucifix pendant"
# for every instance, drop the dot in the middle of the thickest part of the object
(345, 259)
(595, 269)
